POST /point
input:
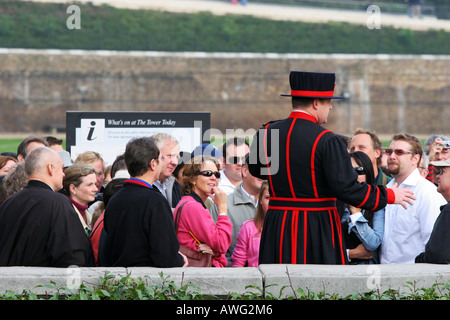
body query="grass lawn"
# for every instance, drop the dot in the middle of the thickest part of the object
(9, 144)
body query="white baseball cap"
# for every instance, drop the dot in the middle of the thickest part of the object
(445, 163)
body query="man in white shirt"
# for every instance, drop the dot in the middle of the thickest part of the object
(407, 231)
(234, 151)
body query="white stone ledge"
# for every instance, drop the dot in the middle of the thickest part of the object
(340, 280)
(350, 279)
(221, 55)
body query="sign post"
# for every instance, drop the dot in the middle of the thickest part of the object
(108, 132)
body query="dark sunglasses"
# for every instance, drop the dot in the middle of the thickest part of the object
(209, 173)
(398, 152)
(235, 160)
(360, 171)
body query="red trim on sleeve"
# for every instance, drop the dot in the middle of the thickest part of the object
(369, 188)
(377, 201)
(390, 196)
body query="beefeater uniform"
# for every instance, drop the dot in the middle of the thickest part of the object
(308, 168)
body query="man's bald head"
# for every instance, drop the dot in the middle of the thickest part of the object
(45, 164)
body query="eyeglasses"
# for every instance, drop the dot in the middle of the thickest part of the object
(360, 171)
(236, 159)
(439, 170)
(398, 152)
(209, 173)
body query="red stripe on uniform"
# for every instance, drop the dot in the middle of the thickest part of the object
(287, 158)
(282, 236)
(332, 228)
(313, 173)
(303, 199)
(305, 229)
(267, 159)
(294, 234)
(300, 208)
(339, 230)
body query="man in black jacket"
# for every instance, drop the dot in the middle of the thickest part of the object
(437, 249)
(138, 221)
(38, 225)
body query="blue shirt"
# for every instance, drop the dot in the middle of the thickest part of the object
(370, 237)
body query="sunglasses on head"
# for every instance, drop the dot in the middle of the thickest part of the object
(236, 159)
(360, 171)
(398, 152)
(439, 170)
(209, 173)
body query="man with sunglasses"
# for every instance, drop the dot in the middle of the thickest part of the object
(234, 151)
(407, 230)
(308, 168)
(437, 147)
(437, 249)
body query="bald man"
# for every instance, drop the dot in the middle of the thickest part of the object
(38, 225)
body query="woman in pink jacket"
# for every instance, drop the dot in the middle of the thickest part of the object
(195, 224)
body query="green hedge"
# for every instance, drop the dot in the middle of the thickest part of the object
(37, 25)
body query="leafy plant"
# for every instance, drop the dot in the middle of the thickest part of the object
(111, 287)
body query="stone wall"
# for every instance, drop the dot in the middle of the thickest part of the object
(342, 281)
(388, 94)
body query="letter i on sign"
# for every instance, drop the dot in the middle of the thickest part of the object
(91, 131)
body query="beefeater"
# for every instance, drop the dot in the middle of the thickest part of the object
(308, 167)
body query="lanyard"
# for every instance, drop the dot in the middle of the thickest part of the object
(140, 182)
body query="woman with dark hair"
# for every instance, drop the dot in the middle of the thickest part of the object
(6, 163)
(246, 252)
(362, 229)
(193, 222)
(97, 225)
